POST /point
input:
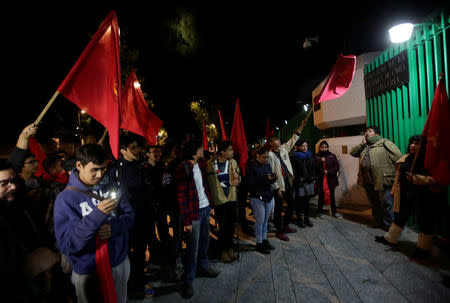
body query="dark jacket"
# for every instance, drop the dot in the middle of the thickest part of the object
(304, 169)
(332, 167)
(130, 178)
(258, 183)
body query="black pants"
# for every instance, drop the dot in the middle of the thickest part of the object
(302, 204)
(333, 201)
(279, 221)
(421, 203)
(226, 217)
(137, 248)
(242, 205)
(158, 249)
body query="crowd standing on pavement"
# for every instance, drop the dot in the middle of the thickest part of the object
(155, 207)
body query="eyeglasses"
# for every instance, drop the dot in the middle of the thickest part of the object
(31, 162)
(8, 182)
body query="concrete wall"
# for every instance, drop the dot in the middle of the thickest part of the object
(348, 192)
(350, 109)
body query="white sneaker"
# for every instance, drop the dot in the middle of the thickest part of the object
(338, 216)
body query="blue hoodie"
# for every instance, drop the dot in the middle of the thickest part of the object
(77, 220)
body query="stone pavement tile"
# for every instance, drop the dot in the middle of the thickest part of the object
(255, 267)
(280, 272)
(256, 292)
(314, 293)
(415, 286)
(224, 287)
(339, 283)
(372, 291)
(319, 250)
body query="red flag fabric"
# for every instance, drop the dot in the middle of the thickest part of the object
(36, 149)
(269, 133)
(437, 153)
(339, 80)
(205, 138)
(222, 126)
(135, 115)
(93, 83)
(238, 139)
(326, 189)
(104, 272)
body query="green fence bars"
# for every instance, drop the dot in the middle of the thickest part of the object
(402, 111)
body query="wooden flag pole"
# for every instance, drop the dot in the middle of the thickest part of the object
(309, 114)
(46, 108)
(103, 137)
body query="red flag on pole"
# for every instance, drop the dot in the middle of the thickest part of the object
(222, 126)
(93, 83)
(326, 189)
(269, 133)
(435, 132)
(205, 138)
(135, 115)
(238, 138)
(339, 80)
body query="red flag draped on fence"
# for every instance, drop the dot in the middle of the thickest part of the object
(93, 83)
(222, 126)
(238, 138)
(435, 132)
(339, 80)
(135, 115)
(205, 138)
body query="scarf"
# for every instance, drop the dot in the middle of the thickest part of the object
(303, 155)
(372, 140)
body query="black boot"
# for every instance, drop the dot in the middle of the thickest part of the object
(260, 247)
(308, 222)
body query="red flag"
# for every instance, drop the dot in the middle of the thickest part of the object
(36, 149)
(339, 80)
(104, 271)
(135, 115)
(93, 83)
(224, 134)
(269, 133)
(437, 153)
(205, 138)
(326, 189)
(238, 138)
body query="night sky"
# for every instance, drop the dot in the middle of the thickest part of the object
(193, 50)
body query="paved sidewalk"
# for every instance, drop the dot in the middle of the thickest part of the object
(334, 261)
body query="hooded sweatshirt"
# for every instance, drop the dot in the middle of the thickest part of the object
(77, 221)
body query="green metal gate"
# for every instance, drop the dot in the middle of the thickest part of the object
(402, 112)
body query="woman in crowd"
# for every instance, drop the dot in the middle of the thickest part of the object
(413, 191)
(304, 174)
(260, 176)
(327, 165)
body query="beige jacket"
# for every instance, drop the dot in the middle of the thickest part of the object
(214, 184)
(276, 165)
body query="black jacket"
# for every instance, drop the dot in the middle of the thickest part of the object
(258, 182)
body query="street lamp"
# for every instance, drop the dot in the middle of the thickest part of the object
(305, 107)
(401, 33)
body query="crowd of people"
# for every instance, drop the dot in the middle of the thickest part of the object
(155, 206)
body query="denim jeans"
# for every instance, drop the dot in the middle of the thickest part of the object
(197, 244)
(382, 202)
(262, 212)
